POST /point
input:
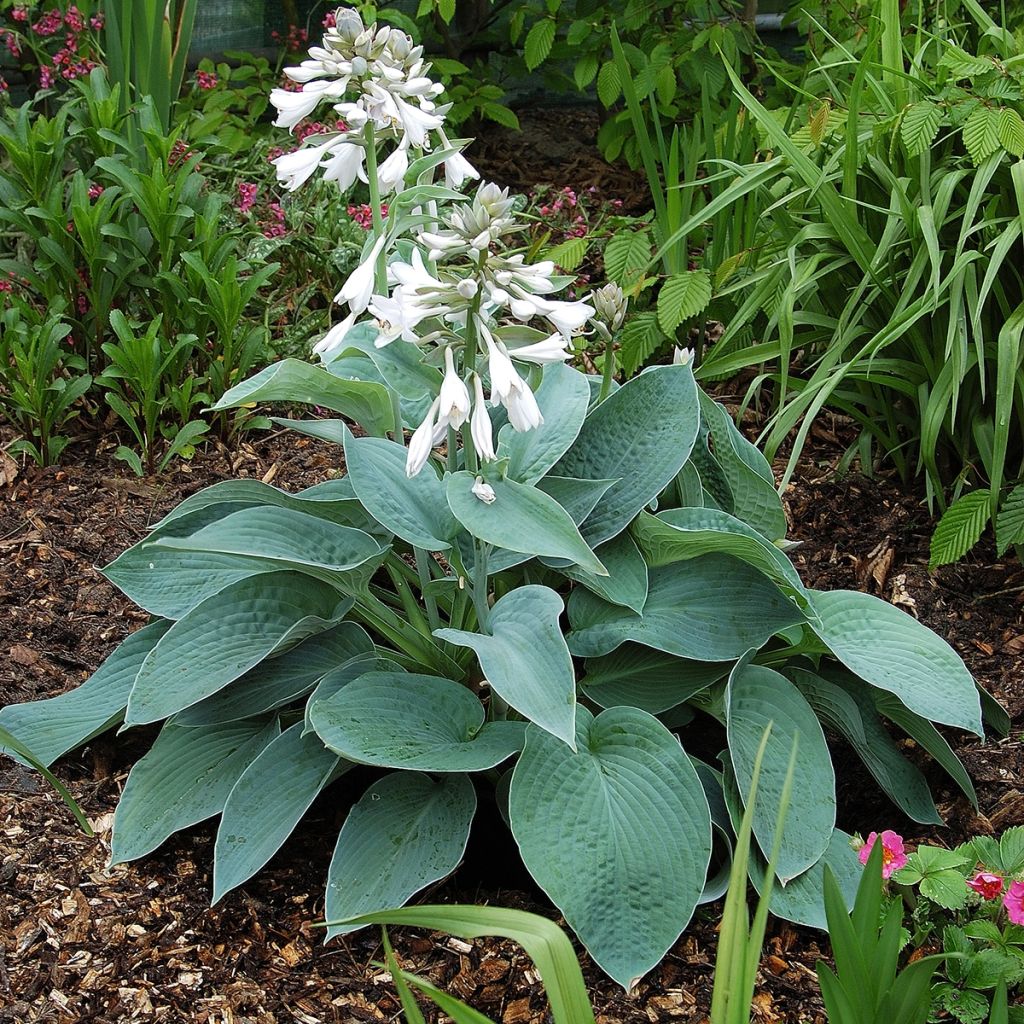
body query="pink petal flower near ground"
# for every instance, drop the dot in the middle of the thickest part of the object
(986, 884)
(1013, 901)
(893, 855)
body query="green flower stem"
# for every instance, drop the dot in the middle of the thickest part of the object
(480, 553)
(423, 560)
(371, 611)
(408, 599)
(381, 271)
(608, 374)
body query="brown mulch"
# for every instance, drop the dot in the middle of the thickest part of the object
(79, 942)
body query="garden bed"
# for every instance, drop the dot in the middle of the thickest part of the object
(141, 943)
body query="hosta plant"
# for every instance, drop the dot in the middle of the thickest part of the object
(530, 602)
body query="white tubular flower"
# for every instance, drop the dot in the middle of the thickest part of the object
(397, 316)
(417, 121)
(457, 169)
(484, 491)
(292, 107)
(345, 165)
(454, 398)
(504, 378)
(332, 341)
(551, 350)
(294, 169)
(682, 356)
(566, 317)
(422, 441)
(480, 423)
(356, 291)
(523, 411)
(391, 173)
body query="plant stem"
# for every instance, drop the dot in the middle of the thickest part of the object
(480, 553)
(423, 569)
(380, 272)
(608, 372)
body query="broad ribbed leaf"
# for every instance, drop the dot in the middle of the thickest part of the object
(406, 831)
(404, 720)
(1011, 131)
(640, 436)
(759, 696)
(578, 497)
(713, 608)
(853, 715)
(184, 779)
(413, 508)
(295, 380)
(538, 42)
(525, 658)
(981, 133)
(637, 677)
(230, 633)
(918, 127)
(893, 651)
(626, 582)
(682, 296)
(627, 253)
(520, 518)
(1010, 520)
(50, 728)
(618, 834)
(267, 802)
(960, 528)
(281, 679)
(563, 397)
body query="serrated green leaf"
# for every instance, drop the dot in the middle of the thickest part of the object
(683, 296)
(918, 127)
(960, 528)
(568, 254)
(1010, 520)
(538, 42)
(626, 255)
(608, 85)
(641, 338)
(1011, 131)
(981, 134)
(585, 70)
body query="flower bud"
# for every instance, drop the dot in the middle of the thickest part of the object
(611, 305)
(359, 66)
(347, 24)
(467, 288)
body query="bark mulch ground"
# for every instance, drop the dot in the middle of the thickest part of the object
(79, 942)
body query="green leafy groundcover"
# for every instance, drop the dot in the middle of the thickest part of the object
(635, 582)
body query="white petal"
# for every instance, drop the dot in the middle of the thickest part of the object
(484, 491)
(552, 349)
(345, 165)
(356, 291)
(457, 169)
(421, 442)
(523, 411)
(480, 423)
(391, 173)
(332, 341)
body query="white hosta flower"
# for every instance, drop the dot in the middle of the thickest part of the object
(454, 398)
(551, 350)
(292, 107)
(610, 304)
(295, 169)
(356, 291)
(391, 173)
(397, 316)
(523, 410)
(457, 169)
(504, 378)
(480, 423)
(484, 491)
(565, 317)
(682, 356)
(332, 341)
(422, 441)
(345, 165)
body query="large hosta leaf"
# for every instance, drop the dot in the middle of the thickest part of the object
(406, 831)
(617, 833)
(679, 534)
(852, 713)
(563, 397)
(713, 608)
(50, 728)
(184, 779)
(230, 633)
(755, 697)
(404, 720)
(520, 518)
(626, 582)
(413, 508)
(638, 677)
(893, 651)
(525, 658)
(640, 436)
(295, 380)
(282, 678)
(267, 802)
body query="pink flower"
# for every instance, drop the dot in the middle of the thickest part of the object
(246, 196)
(206, 80)
(45, 76)
(986, 885)
(1013, 900)
(95, 191)
(893, 857)
(20, 14)
(329, 20)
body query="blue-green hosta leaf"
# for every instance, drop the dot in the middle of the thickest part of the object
(401, 366)
(577, 497)
(228, 634)
(525, 658)
(752, 497)
(184, 779)
(286, 539)
(626, 582)
(294, 380)
(755, 697)
(627, 866)
(412, 508)
(853, 715)
(893, 651)
(404, 720)
(279, 680)
(638, 677)
(406, 831)
(520, 518)
(50, 728)
(640, 436)
(678, 534)
(342, 676)
(267, 802)
(563, 397)
(713, 608)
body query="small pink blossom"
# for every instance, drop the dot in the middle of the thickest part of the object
(206, 80)
(1013, 900)
(246, 196)
(363, 215)
(45, 76)
(95, 191)
(893, 855)
(329, 20)
(986, 884)
(20, 13)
